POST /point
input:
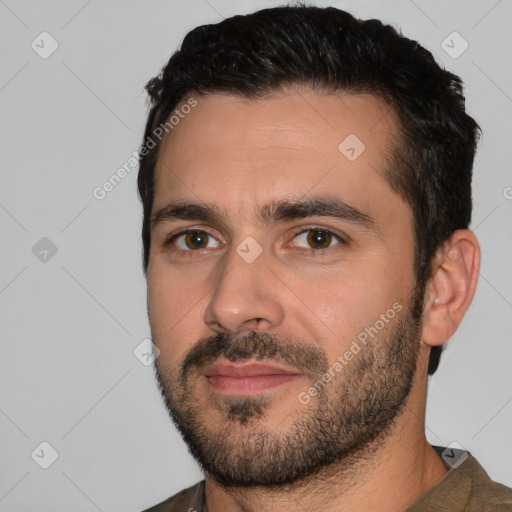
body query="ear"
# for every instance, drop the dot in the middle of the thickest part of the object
(451, 288)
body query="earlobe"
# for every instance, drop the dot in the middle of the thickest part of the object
(451, 287)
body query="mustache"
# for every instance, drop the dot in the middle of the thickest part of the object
(309, 359)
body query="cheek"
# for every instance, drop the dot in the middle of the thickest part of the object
(342, 305)
(174, 305)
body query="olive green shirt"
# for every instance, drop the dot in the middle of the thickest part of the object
(466, 487)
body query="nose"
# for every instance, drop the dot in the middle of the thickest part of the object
(246, 296)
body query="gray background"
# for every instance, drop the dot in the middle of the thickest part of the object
(70, 324)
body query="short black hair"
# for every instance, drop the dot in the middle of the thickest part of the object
(328, 50)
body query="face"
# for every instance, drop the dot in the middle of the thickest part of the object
(280, 283)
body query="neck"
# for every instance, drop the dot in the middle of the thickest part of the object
(389, 474)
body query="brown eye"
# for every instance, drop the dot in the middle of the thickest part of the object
(193, 240)
(196, 240)
(319, 239)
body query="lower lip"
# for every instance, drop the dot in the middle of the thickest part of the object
(245, 385)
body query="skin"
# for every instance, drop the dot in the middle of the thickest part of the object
(238, 155)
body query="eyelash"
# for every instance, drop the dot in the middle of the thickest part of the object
(172, 238)
(321, 252)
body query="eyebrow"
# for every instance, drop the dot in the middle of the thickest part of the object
(270, 213)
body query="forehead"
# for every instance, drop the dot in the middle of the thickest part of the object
(245, 152)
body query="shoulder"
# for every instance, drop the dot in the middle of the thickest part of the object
(188, 500)
(466, 487)
(487, 495)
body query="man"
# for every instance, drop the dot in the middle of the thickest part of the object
(306, 184)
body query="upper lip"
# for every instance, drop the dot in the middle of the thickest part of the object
(246, 369)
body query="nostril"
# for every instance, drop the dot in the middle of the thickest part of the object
(253, 323)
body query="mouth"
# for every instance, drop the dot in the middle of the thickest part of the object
(247, 378)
